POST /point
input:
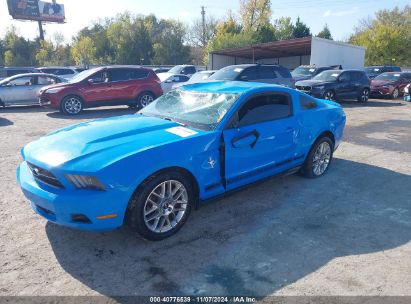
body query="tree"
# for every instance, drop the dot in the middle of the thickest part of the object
(283, 28)
(387, 38)
(266, 33)
(84, 51)
(255, 14)
(300, 29)
(199, 38)
(325, 33)
(20, 52)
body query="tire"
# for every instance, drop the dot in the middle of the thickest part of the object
(364, 96)
(329, 95)
(152, 212)
(323, 161)
(395, 94)
(144, 99)
(71, 105)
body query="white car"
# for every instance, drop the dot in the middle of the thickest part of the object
(170, 81)
(63, 72)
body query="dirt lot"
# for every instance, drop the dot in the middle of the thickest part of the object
(348, 233)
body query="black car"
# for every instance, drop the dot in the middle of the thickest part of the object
(267, 73)
(304, 72)
(374, 71)
(337, 84)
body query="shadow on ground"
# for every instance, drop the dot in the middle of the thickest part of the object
(94, 113)
(372, 103)
(252, 243)
(23, 109)
(5, 122)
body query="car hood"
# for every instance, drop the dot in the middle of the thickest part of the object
(377, 83)
(301, 78)
(312, 82)
(57, 85)
(80, 145)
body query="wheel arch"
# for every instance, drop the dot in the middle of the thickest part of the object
(325, 134)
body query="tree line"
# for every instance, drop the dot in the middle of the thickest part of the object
(137, 39)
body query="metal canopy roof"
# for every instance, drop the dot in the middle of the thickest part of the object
(283, 48)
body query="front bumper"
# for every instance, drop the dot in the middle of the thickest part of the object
(375, 91)
(65, 206)
(48, 101)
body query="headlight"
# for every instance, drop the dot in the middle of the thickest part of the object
(85, 182)
(53, 91)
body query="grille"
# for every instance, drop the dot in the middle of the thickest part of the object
(44, 176)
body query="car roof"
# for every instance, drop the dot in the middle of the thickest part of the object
(238, 87)
(33, 74)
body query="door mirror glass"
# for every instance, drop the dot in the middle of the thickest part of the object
(244, 78)
(90, 81)
(246, 141)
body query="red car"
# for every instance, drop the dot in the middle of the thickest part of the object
(390, 84)
(104, 86)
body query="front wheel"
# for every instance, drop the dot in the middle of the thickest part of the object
(71, 105)
(319, 158)
(329, 95)
(161, 206)
(364, 96)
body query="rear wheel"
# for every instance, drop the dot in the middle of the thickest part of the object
(144, 99)
(71, 105)
(364, 96)
(319, 158)
(395, 94)
(161, 206)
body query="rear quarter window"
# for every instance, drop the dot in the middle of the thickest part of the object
(138, 74)
(307, 103)
(283, 72)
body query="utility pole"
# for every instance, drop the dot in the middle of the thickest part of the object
(204, 26)
(41, 31)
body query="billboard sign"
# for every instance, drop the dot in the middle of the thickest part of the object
(36, 10)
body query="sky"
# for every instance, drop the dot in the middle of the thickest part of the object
(340, 15)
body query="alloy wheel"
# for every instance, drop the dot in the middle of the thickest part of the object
(329, 95)
(165, 206)
(322, 158)
(145, 100)
(395, 94)
(365, 95)
(73, 105)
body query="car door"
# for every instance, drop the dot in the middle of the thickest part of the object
(97, 88)
(260, 139)
(248, 74)
(267, 74)
(345, 87)
(18, 90)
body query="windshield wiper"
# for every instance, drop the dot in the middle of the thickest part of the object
(170, 119)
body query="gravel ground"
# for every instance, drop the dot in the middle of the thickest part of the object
(347, 233)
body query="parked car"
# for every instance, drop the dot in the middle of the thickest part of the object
(374, 71)
(112, 85)
(6, 72)
(390, 84)
(24, 89)
(161, 70)
(170, 81)
(273, 74)
(201, 76)
(305, 72)
(185, 69)
(64, 72)
(149, 170)
(337, 84)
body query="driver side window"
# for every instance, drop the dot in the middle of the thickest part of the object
(265, 108)
(345, 77)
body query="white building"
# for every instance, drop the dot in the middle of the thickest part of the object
(292, 53)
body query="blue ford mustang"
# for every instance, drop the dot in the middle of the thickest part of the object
(149, 170)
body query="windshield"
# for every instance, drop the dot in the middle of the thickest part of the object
(303, 71)
(195, 109)
(227, 73)
(176, 70)
(199, 77)
(327, 76)
(83, 75)
(389, 77)
(373, 70)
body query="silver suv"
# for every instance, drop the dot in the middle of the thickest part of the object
(267, 73)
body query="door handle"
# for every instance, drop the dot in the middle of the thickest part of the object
(248, 139)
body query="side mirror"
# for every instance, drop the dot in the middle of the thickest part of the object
(244, 78)
(90, 81)
(246, 141)
(168, 81)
